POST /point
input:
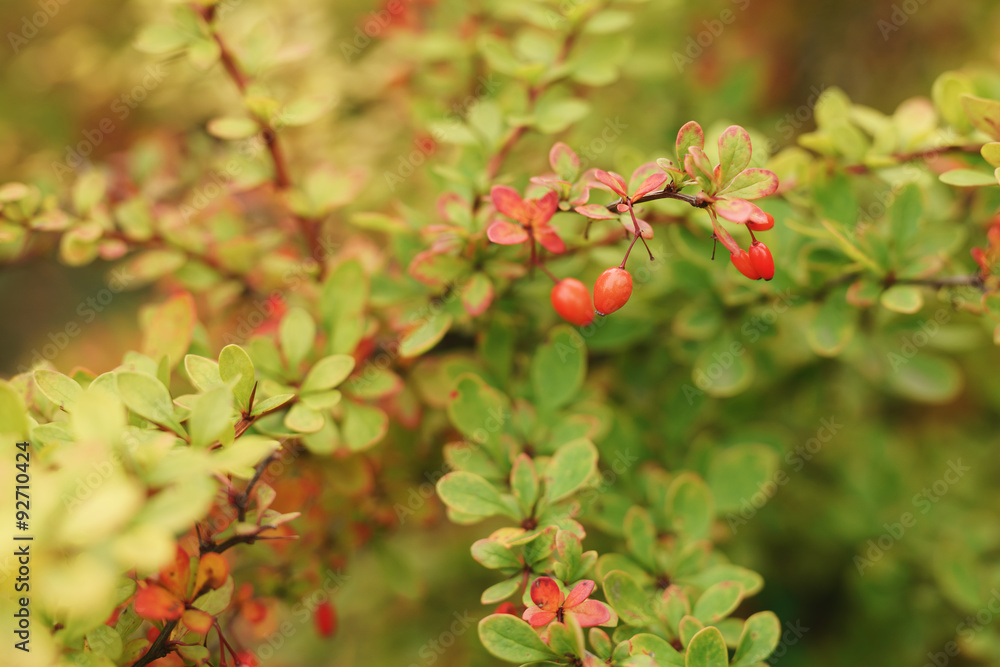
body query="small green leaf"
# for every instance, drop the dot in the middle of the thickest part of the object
(13, 412)
(707, 649)
(984, 114)
(626, 597)
(689, 135)
(297, 333)
(425, 336)
(903, 298)
(966, 178)
(364, 425)
(303, 419)
(494, 555)
(272, 403)
(718, 602)
(479, 412)
(558, 368)
(211, 415)
(991, 153)
(58, 388)
(737, 473)
(104, 640)
(235, 363)
(640, 535)
(328, 372)
(471, 494)
(569, 469)
(833, 327)
(501, 591)
(233, 128)
(691, 506)
(170, 329)
(524, 482)
(734, 152)
(761, 633)
(203, 372)
(509, 638)
(147, 397)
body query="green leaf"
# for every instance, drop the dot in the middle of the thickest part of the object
(569, 469)
(903, 298)
(161, 38)
(984, 114)
(479, 412)
(558, 368)
(966, 178)
(723, 368)
(509, 638)
(328, 372)
(104, 640)
(752, 184)
(342, 305)
(760, 637)
(425, 336)
(718, 602)
(734, 152)
(656, 648)
(501, 591)
(297, 333)
(170, 329)
(477, 294)
(494, 555)
(907, 210)
(235, 365)
(240, 457)
(947, 93)
(147, 397)
(524, 483)
(626, 597)
(88, 190)
(13, 412)
(553, 115)
(272, 403)
(203, 372)
(833, 326)
(211, 415)
(58, 388)
(640, 535)
(177, 507)
(991, 153)
(303, 419)
(233, 127)
(471, 494)
(849, 249)
(691, 506)
(363, 425)
(737, 473)
(925, 377)
(707, 649)
(689, 135)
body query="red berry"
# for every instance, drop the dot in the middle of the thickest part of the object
(762, 261)
(612, 290)
(742, 262)
(571, 299)
(762, 226)
(326, 619)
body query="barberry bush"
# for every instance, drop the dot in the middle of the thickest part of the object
(339, 335)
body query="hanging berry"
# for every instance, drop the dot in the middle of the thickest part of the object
(612, 290)
(571, 299)
(741, 261)
(760, 258)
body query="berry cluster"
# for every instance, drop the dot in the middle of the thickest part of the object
(571, 298)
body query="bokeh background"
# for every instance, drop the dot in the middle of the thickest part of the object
(771, 60)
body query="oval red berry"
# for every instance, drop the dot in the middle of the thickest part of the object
(326, 619)
(742, 263)
(762, 226)
(571, 299)
(612, 290)
(760, 258)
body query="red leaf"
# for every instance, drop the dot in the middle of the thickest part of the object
(651, 183)
(579, 593)
(175, 575)
(595, 212)
(725, 239)
(615, 182)
(732, 209)
(158, 604)
(591, 613)
(508, 201)
(506, 233)
(644, 228)
(198, 621)
(538, 617)
(564, 161)
(540, 211)
(477, 294)
(550, 240)
(689, 135)
(546, 594)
